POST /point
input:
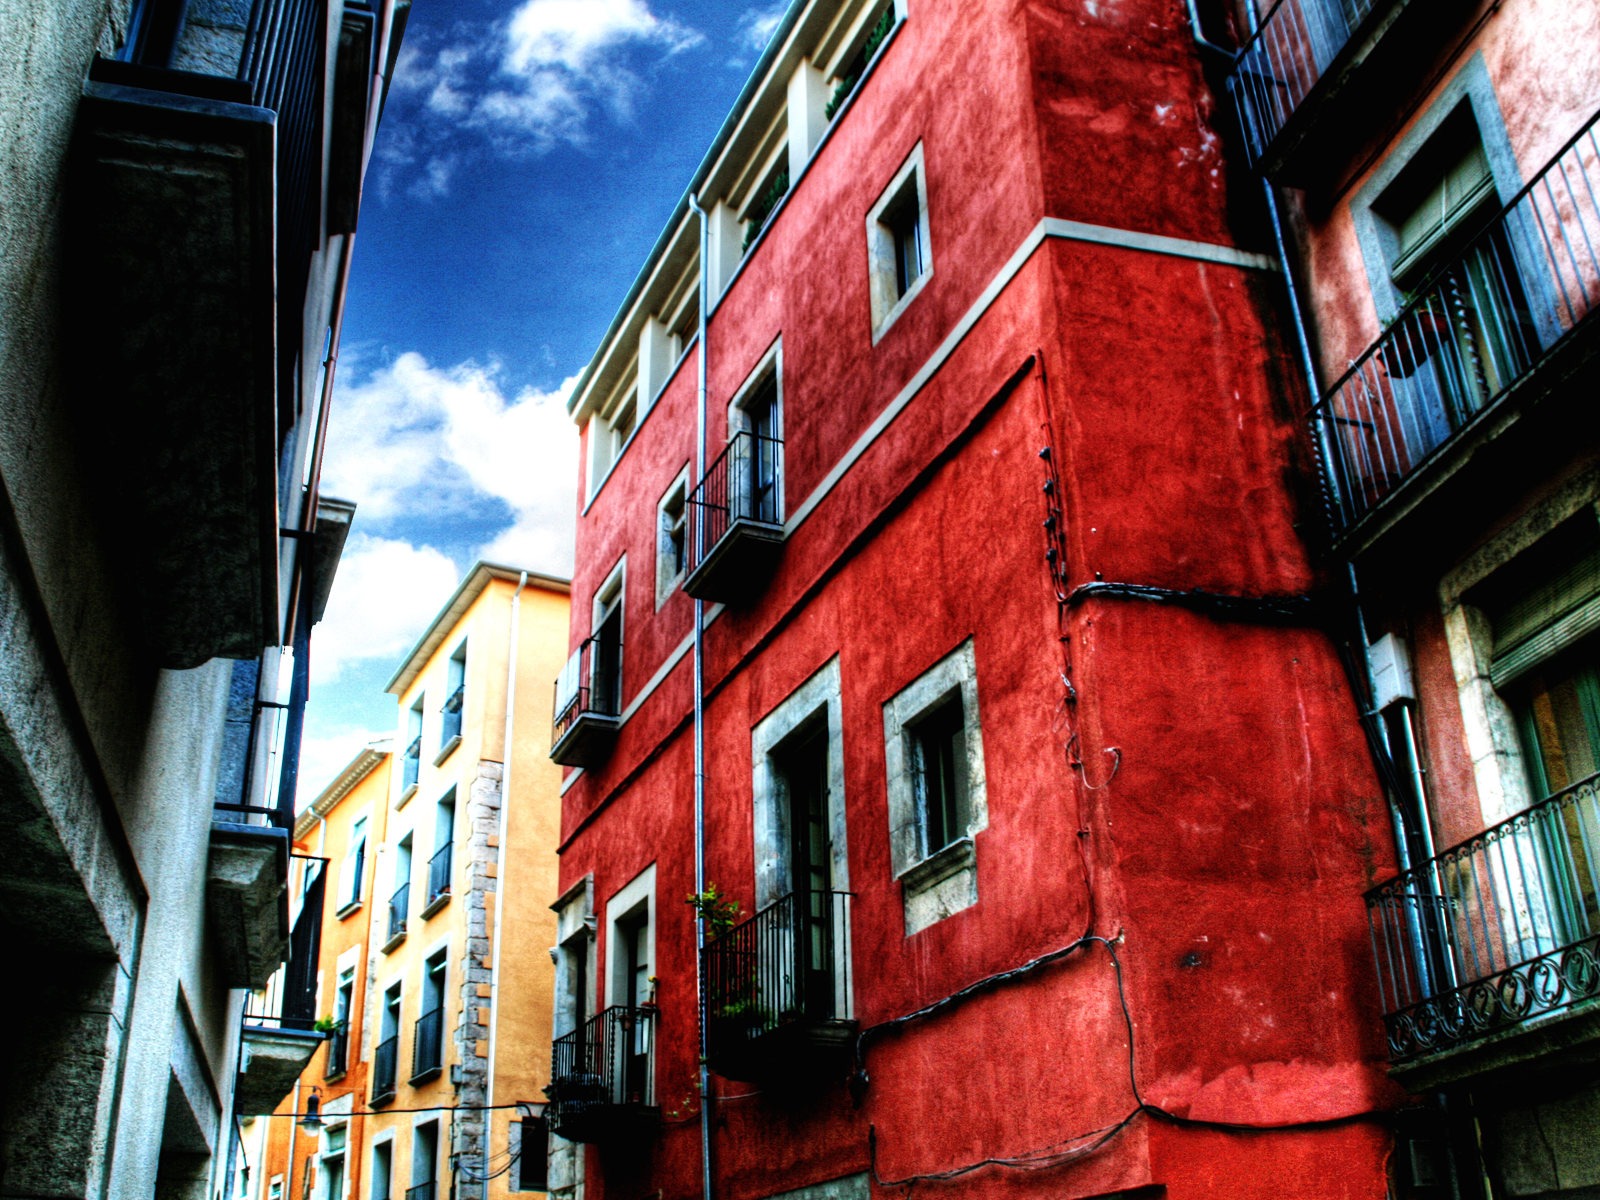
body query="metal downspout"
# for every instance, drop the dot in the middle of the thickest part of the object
(699, 702)
(500, 868)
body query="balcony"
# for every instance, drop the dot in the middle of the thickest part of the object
(1489, 953)
(399, 912)
(737, 529)
(1489, 350)
(278, 1035)
(195, 208)
(588, 704)
(438, 879)
(427, 1045)
(422, 1191)
(778, 989)
(450, 721)
(385, 1069)
(602, 1077)
(1319, 77)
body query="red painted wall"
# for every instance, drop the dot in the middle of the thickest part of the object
(1225, 818)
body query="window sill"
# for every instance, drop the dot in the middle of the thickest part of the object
(349, 909)
(389, 946)
(436, 904)
(446, 750)
(960, 855)
(425, 1075)
(404, 796)
(900, 306)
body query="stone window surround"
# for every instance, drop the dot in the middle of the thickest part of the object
(946, 881)
(638, 894)
(678, 490)
(1492, 739)
(818, 697)
(769, 365)
(886, 305)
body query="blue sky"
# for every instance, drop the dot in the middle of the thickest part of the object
(530, 153)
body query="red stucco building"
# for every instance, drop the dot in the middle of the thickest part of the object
(944, 597)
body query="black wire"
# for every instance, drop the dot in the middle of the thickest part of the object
(1295, 609)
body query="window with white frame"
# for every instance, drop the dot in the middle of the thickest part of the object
(755, 428)
(630, 956)
(382, 1170)
(672, 543)
(899, 250)
(455, 699)
(933, 750)
(613, 424)
(353, 869)
(335, 1139)
(424, 1159)
(411, 766)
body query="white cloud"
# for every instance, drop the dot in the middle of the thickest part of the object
(574, 34)
(757, 25)
(322, 757)
(384, 594)
(412, 439)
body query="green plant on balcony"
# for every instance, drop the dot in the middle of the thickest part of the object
(858, 65)
(718, 912)
(756, 220)
(327, 1025)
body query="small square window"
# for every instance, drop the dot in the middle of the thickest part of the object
(533, 1155)
(933, 751)
(899, 257)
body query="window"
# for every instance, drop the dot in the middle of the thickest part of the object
(899, 253)
(334, 1139)
(382, 1171)
(631, 962)
(400, 897)
(605, 664)
(933, 752)
(439, 866)
(386, 1056)
(353, 868)
(275, 1188)
(612, 425)
(413, 758)
(424, 1162)
(339, 1037)
(755, 491)
(532, 1151)
(427, 1050)
(455, 698)
(672, 543)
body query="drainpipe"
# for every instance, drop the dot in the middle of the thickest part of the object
(699, 701)
(500, 867)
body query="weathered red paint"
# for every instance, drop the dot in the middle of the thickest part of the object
(1224, 820)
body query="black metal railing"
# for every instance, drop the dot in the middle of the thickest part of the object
(1480, 323)
(1494, 932)
(289, 1000)
(450, 715)
(399, 910)
(338, 1047)
(385, 1068)
(427, 1044)
(743, 483)
(420, 1191)
(591, 685)
(439, 873)
(604, 1065)
(411, 765)
(1276, 69)
(788, 963)
(283, 63)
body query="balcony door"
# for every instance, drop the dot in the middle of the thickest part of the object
(754, 485)
(804, 768)
(606, 681)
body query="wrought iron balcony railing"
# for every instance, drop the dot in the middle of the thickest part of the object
(422, 1191)
(1480, 325)
(737, 525)
(588, 703)
(1499, 931)
(427, 1045)
(778, 987)
(385, 1069)
(411, 765)
(450, 715)
(289, 1000)
(399, 910)
(1277, 68)
(439, 873)
(602, 1076)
